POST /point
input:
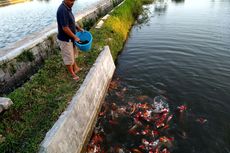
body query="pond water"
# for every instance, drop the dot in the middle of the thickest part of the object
(21, 19)
(182, 54)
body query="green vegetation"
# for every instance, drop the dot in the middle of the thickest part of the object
(145, 2)
(26, 56)
(38, 104)
(12, 69)
(87, 24)
(3, 66)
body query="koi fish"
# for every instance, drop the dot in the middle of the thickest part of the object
(145, 142)
(169, 118)
(95, 149)
(182, 108)
(165, 150)
(133, 109)
(201, 120)
(142, 98)
(147, 115)
(143, 106)
(119, 95)
(102, 113)
(144, 132)
(165, 127)
(121, 110)
(182, 134)
(156, 150)
(155, 143)
(113, 122)
(136, 151)
(137, 121)
(160, 124)
(113, 85)
(97, 138)
(166, 141)
(155, 133)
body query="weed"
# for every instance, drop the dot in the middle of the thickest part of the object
(26, 56)
(114, 3)
(100, 13)
(145, 2)
(3, 66)
(87, 24)
(12, 69)
(51, 39)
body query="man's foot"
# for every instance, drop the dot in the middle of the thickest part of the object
(78, 69)
(76, 78)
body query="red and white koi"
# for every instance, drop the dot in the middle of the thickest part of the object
(182, 108)
(169, 118)
(201, 120)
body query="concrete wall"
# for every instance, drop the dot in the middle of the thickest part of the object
(22, 59)
(71, 131)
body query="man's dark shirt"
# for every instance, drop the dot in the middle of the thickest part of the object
(65, 18)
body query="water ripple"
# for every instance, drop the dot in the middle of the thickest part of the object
(184, 54)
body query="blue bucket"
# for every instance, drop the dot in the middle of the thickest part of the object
(84, 36)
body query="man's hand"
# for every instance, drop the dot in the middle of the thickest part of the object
(71, 34)
(76, 39)
(80, 29)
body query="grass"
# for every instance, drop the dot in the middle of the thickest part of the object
(39, 103)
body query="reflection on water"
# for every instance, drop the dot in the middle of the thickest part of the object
(4, 3)
(144, 18)
(162, 8)
(44, 0)
(161, 5)
(21, 19)
(178, 1)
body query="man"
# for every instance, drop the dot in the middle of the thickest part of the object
(66, 36)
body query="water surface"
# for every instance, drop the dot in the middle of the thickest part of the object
(21, 19)
(182, 53)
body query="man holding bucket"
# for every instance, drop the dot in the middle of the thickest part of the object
(66, 36)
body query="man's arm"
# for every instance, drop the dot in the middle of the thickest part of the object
(70, 33)
(79, 28)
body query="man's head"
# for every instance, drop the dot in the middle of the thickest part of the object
(69, 3)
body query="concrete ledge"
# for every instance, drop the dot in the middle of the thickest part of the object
(71, 131)
(100, 24)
